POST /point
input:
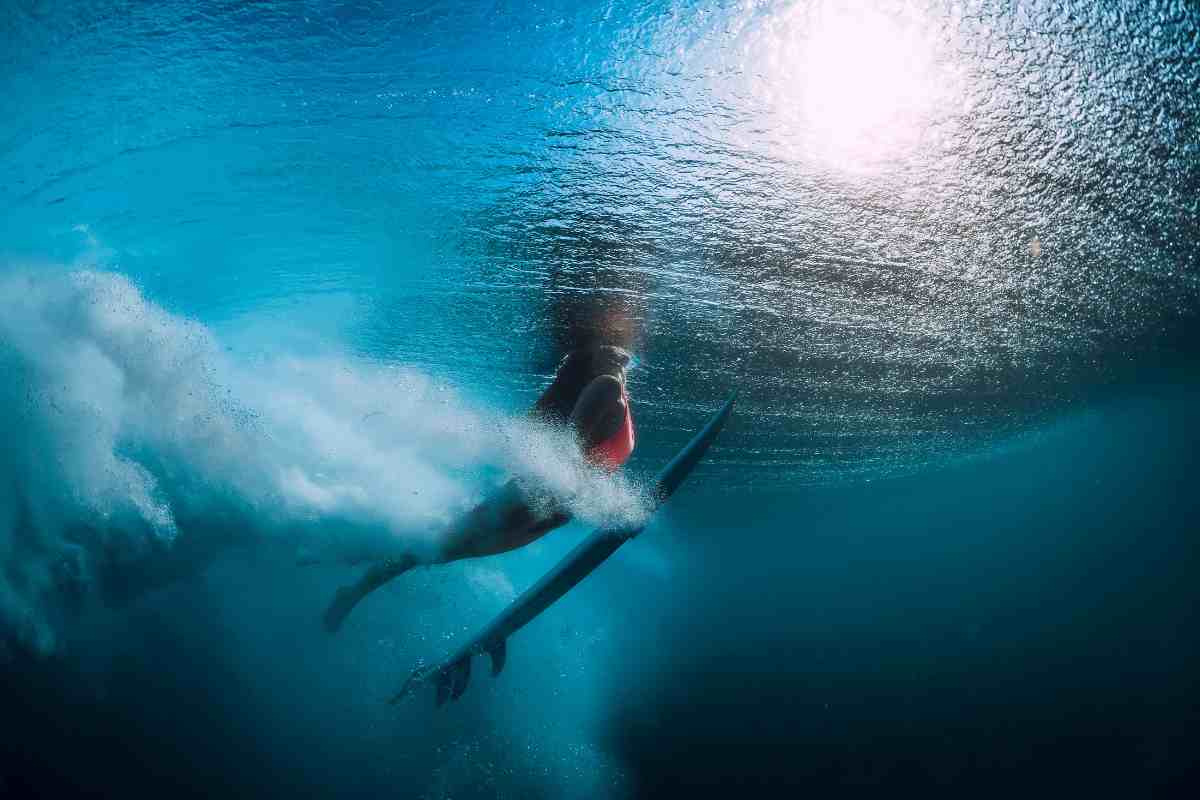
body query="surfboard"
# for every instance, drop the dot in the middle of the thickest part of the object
(452, 675)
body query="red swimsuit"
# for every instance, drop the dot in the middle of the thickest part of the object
(614, 451)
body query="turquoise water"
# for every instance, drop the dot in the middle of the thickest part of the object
(278, 280)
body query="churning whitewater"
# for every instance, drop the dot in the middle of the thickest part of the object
(140, 446)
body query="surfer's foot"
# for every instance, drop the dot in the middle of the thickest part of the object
(343, 603)
(348, 596)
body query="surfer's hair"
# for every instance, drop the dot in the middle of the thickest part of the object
(576, 370)
(609, 359)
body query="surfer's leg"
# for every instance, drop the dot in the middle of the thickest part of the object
(348, 597)
(511, 518)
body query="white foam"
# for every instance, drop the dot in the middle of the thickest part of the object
(129, 426)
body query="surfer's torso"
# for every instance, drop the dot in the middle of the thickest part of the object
(588, 394)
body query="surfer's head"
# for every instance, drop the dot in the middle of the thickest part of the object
(577, 369)
(581, 366)
(609, 360)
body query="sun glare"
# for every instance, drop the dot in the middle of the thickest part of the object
(856, 85)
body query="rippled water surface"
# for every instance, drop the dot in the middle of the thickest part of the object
(902, 230)
(278, 281)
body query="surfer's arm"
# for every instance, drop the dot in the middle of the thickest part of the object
(600, 410)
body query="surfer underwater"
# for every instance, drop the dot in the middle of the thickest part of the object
(596, 329)
(589, 395)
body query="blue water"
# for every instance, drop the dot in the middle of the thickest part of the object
(279, 280)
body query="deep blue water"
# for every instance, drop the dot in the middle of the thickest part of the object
(278, 280)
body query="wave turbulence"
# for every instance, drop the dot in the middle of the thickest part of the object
(139, 448)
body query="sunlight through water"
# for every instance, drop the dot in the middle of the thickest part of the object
(281, 281)
(856, 86)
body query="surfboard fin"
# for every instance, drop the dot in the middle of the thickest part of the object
(450, 680)
(499, 655)
(460, 676)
